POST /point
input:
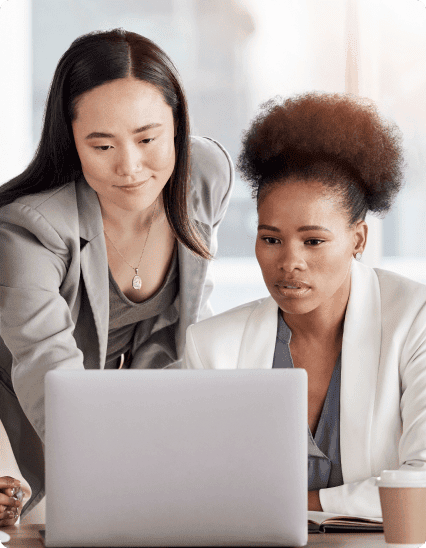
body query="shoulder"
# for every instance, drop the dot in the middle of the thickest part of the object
(210, 157)
(48, 204)
(50, 217)
(403, 312)
(400, 296)
(395, 294)
(216, 343)
(227, 325)
(212, 178)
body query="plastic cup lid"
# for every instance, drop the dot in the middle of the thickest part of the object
(402, 478)
(4, 537)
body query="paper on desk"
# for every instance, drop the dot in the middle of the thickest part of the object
(320, 517)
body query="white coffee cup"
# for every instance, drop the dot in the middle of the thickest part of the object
(4, 537)
(403, 502)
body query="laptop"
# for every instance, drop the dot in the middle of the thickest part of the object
(176, 458)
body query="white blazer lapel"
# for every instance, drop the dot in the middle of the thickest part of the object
(360, 363)
(258, 342)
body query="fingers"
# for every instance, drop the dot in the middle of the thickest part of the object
(9, 516)
(8, 522)
(10, 513)
(14, 492)
(9, 501)
(7, 482)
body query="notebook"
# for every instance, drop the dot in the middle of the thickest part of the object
(176, 458)
(325, 522)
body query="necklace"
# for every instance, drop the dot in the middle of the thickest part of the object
(136, 280)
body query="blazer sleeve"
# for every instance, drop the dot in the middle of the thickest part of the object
(362, 498)
(353, 499)
(221, 177)
(36, 323)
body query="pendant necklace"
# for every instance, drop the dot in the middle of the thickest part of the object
(136, 280)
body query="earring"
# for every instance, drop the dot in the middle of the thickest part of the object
(358, 256)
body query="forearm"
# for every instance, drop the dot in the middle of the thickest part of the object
(353, 499)
(314, 503)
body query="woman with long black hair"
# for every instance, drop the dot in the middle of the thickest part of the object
(105, 238)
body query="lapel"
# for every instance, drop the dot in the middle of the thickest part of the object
(192, 274)
(360, 364)
(258, 341)
(94, 261)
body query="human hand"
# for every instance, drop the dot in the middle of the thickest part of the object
(11, 497)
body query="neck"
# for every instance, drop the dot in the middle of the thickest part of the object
(130, 222)
(325, 322)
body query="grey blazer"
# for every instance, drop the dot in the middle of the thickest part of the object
(54, 306)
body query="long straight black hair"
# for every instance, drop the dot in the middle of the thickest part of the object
(92, 60)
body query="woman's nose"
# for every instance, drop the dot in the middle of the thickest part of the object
(129, 162)
(291, 259)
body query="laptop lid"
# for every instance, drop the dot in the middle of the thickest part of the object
(176, 458)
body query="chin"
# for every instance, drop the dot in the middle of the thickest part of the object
(295, 310)
(295, 306)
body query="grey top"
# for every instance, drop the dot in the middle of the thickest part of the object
(157, 311)
(324, 466)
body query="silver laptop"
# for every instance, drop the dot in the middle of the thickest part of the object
(176, 458)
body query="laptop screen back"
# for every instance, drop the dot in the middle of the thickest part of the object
(176, 457)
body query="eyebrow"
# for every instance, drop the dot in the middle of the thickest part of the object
(301, 229)
(268, 227)
(98, 135)
(312, 227)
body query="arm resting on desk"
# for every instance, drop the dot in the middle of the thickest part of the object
(314, 503)
(353, 499)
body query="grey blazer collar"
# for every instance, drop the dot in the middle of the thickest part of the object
(192, 272)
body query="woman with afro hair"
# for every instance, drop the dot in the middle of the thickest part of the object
(316, 164)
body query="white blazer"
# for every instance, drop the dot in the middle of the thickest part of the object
(383, 376)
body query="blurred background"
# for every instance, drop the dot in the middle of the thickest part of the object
(233, 55)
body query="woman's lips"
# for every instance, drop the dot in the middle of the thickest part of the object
(133, 187)
(293, 289)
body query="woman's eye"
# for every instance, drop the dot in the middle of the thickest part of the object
(103, 147)
(146, 141)
(314, 242)
(270, 240)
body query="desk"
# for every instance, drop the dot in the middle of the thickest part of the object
(27, 536)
